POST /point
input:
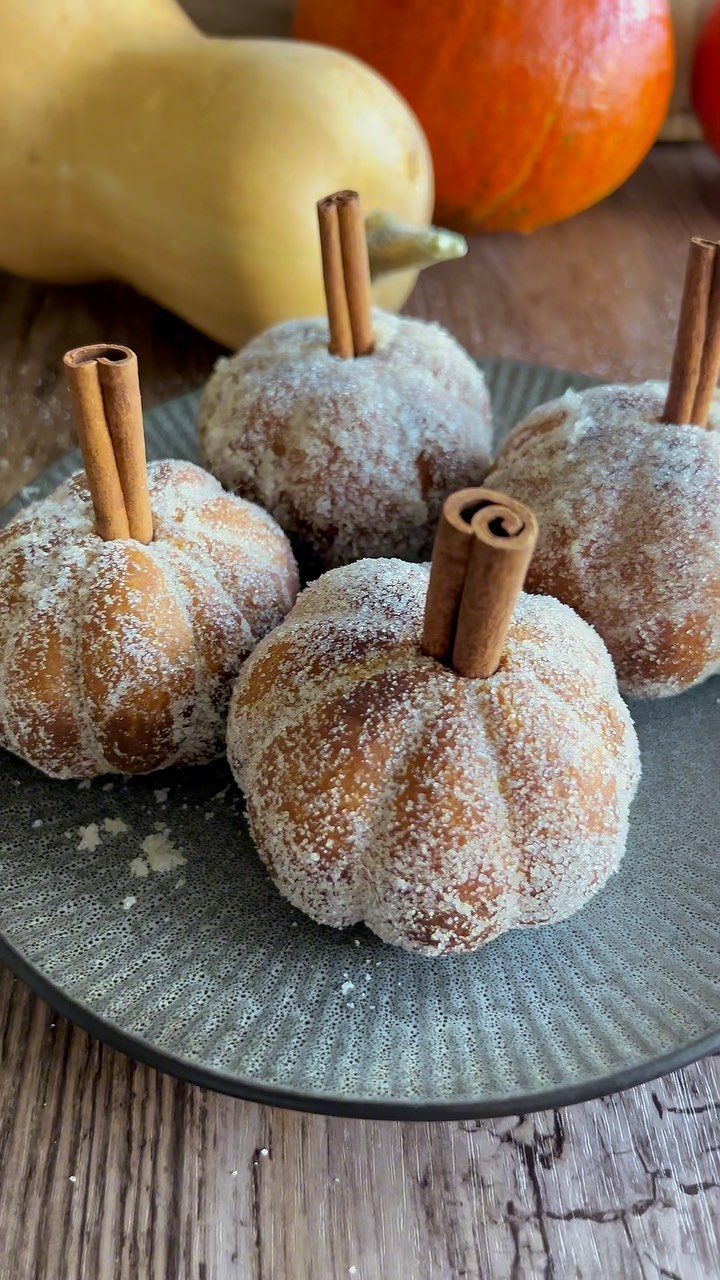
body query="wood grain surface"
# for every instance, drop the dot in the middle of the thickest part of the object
(109, 1171)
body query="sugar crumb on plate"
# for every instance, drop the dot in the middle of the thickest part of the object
(115, 826)
(90, 837)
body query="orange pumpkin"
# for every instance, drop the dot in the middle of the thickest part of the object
(534, 110)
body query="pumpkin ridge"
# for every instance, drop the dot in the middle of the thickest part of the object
(118, 560)
(277, 722)
(7, 652)
(189, 551)
(201, 687)
(52, 564)
(456, 35)
(432, 884)
(571, 709)
(553, 116)
(497, 741)
(626, 752)
(89, 736)
(381, 802)
(526, 171)
(588, 752)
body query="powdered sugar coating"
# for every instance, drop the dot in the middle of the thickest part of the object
(353, 457)
(441, 811)
(116, 657)
(629, 515)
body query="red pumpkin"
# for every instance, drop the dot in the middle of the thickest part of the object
(706, 79)
(534, 109)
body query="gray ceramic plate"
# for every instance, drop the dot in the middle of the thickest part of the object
(141, 911)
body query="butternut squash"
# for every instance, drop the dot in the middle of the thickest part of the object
(135, 147)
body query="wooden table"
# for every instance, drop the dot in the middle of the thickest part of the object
(109, 1171)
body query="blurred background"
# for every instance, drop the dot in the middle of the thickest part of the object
(595, 291)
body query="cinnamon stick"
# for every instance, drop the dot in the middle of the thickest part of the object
(341, 339)
(451, 552)
(690, 339)
(346, 274)
(105, 391)
(710, 359)
(483, 547)
(356, 267)
(120, 385)
(504, 537)
(96, 445)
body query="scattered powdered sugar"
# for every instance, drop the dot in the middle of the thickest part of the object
(629, 516)
(90, 837)
(161, 853)
(161, 795)
(352, 457)
(114, 826)
(441, 811)
(115, 657)
(158, 854)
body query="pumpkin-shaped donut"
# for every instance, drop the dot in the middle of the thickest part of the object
(629, 514)
(119, 657)
(442, 811)
(353, 458)
(350, 431)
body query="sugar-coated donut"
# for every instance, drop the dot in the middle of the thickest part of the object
(442, 811)
(353, 457)
(629, 514)
(119, 657)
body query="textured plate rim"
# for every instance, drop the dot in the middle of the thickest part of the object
(191, 1072)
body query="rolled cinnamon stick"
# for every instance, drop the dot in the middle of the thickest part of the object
(483, 547)
(341, 339)
(96, 445)
(451, 552)
(504, 537)
(120, 384)
(103, 382)
(710, 359)
(691, 330)
(356, 267)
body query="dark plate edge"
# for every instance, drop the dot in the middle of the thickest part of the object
(108, 1032)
